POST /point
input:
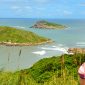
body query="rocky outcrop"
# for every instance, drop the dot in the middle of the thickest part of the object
(47, 25)
(24, 44)
(76, 50)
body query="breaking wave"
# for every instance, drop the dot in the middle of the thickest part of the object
(43, 52)
(19, 27)
(81, 44)
(56, 48)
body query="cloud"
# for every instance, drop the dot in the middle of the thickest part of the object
(9, 1)
(15, 7)
(82, 4)
(27, 7)
(21, 8)
(83, 12)
(40, 8)
(41, 1)
(65, 12)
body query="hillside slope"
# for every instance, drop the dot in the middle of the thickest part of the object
(57, 70)
(10, 35)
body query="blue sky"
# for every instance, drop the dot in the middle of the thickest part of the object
(42, 9)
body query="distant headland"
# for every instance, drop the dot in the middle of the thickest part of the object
(48, 25)
(11, 36)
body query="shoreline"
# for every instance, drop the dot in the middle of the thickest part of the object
(24, 44)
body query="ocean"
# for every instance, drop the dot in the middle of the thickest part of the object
(72, 36)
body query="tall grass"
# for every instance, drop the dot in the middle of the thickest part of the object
(61, 70)
(22, 78)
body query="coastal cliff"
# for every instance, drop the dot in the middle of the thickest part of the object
(47, 25)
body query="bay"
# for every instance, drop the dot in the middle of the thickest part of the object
(72, 36)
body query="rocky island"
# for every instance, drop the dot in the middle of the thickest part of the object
(48, 25)
(11, 36)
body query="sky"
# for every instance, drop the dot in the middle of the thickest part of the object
(67, 9)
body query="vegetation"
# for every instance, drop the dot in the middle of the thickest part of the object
(53, 24)
(13, 35)
(57, 70)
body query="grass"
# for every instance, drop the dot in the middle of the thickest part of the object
(53, 24)
(57, 70)
(10, 34)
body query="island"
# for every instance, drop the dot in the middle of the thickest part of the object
(48, 25)
(17, 37)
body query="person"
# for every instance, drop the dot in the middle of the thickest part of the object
(81, 72)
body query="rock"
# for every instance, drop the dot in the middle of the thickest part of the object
(76, 50)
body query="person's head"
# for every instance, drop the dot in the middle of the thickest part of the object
(81, 72)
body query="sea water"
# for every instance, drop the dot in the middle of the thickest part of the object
(71, 36)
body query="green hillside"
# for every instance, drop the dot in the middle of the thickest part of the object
(13, 35)
(57, 70)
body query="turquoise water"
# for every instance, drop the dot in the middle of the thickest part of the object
(72, 36)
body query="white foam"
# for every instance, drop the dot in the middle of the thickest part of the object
(40, 52)
(19, 27)
(60, 45)
(53, 46)
(80, 43)
(56, 49)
